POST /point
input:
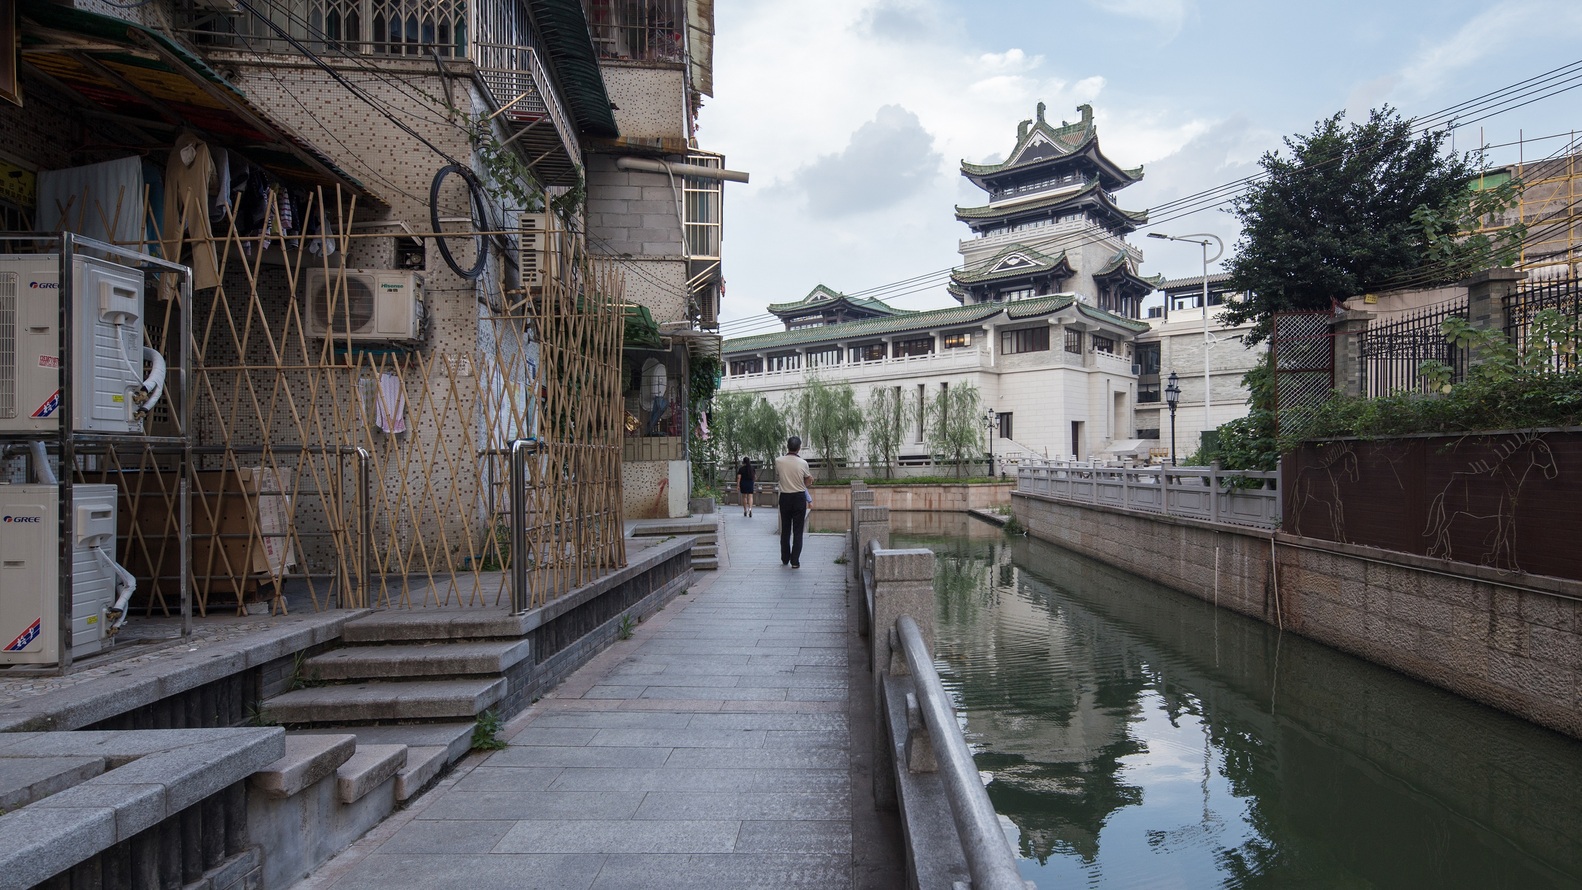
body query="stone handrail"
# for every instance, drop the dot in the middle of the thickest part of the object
(1210, 494)
(923, 767)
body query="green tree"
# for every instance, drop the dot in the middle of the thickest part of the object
(763, 431)
(1366, 207)
(828, 418)
(728, 420)
(890, 415)
(955, 429)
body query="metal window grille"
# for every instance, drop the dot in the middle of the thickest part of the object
(637, 30)
(1302, 348)
(1073, 341)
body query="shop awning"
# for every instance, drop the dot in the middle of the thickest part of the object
(140, 79)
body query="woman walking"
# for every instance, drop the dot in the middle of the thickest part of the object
(745, 478)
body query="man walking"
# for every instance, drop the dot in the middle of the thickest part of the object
(793, 477)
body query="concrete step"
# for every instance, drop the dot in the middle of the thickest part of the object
(706, 564)
(408, 625)
(309, 758)
(705, 550)
(422, 766)
(370, 701)
(367, 769)
(677, 527)
(454, 738)
(444, 659)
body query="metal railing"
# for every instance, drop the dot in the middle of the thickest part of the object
(1393, 352)
(1210, 494)
(921, 753)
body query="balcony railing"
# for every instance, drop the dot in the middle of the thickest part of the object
(913, 364)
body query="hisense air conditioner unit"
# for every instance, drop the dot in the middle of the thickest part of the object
(364, 305)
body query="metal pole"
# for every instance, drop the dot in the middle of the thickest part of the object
(1208, 389)
(68, 459)
(365, 523)
(519, 451)
(1172, 435)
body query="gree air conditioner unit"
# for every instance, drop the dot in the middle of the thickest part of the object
(364, 305)
(109, 392)
(30, 568)
(540, 251)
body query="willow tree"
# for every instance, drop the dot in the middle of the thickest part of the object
(727, 422)
(828, 418)
(955, 429)
(763, 430)
(890, 415)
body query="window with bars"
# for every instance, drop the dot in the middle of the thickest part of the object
(371, 27)
(1103, 344)
(824, 357)
(915, 346)
(1024, 340)
(1073, 341)
(637, 30)
(785, 361)
(742, 366)
(868, 352)
(958, 340)
(703, 209)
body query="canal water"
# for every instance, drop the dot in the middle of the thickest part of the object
(1132, 736)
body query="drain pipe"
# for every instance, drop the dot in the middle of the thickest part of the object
(694, 170)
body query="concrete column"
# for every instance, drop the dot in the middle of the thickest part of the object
(903, 584)
(1348, 328)
(868, 524)
(860, 497)
(1486, 293)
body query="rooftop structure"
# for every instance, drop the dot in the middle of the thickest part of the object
(1052, 224)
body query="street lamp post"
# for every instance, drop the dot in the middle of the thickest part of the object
(1202, 240)
(990, 418)
(1173, 398)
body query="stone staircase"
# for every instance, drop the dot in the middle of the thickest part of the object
(704, 528)
(409, 686)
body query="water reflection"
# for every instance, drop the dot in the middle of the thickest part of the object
(1134, 736)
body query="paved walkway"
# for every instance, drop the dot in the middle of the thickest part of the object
(713, 749)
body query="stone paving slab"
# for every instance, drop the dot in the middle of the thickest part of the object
(711, 750)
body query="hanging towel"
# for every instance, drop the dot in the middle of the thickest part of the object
(390, 414)
(103, 201)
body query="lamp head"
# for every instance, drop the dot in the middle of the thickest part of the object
(1173, 391)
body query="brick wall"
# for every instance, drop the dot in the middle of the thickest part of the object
(1513, 642)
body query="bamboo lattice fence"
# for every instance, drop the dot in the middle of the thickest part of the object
(367, 474)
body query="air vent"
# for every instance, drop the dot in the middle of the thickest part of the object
(8, 344)
(349, 312)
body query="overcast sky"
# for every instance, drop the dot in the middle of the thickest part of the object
(853, 115)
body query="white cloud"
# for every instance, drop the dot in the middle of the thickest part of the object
(1012, 60)
(888, 160)
(1168, 16)
(1493, 34)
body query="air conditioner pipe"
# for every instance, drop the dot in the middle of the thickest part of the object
(125, 586)
(41, 468)
(694, 170)
(154, 383)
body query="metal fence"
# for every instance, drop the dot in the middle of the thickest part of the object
(1237, 497)
(1393, 353)
(1563, 295)
(1302, 350)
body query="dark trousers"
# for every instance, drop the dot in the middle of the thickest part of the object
(793, 516)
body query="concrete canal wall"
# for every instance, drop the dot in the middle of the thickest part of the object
(1511, 641)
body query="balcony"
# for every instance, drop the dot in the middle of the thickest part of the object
(495, 35)
(629, 31)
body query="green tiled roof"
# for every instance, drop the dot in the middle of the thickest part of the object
(1041, 262)
(989, 211)
(821, 295)
(1067, 139)
(926, 320)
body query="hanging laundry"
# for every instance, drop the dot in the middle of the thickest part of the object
(188, 175)
(102, 201)
(390, 414)
(220, 195)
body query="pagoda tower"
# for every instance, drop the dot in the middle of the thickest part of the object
(1051, 224)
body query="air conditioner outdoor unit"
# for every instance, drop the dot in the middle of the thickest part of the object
(30, 571)
(106, 348)
(364, 304)
(539, 250)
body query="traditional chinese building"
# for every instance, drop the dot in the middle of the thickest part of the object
(1052, 224)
